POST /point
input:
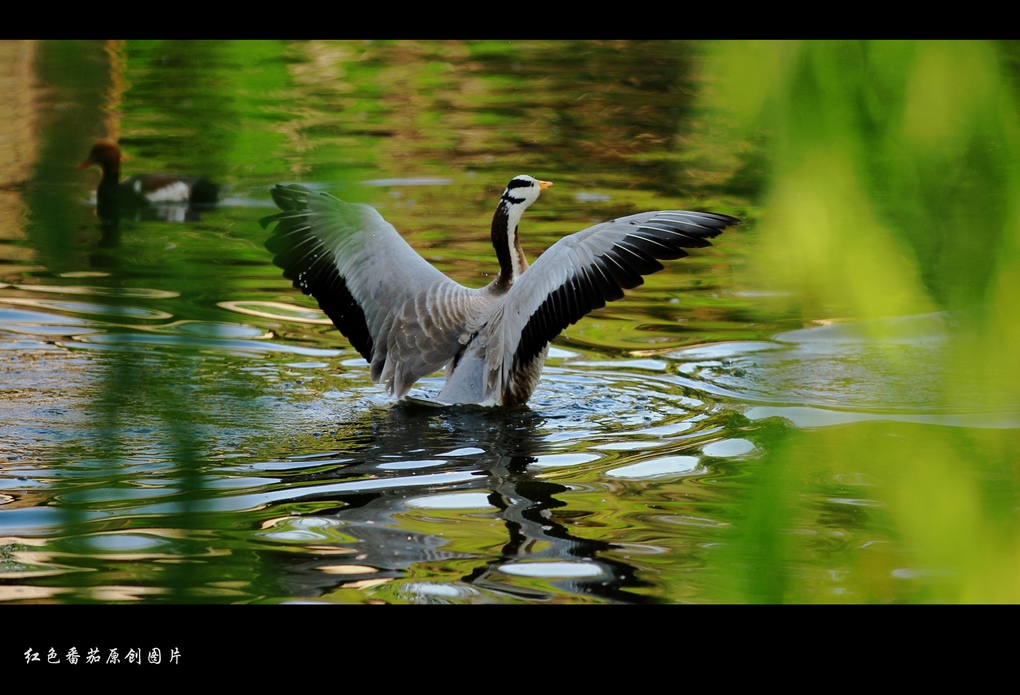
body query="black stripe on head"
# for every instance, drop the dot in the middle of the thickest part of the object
(507, 198)
(519, 183)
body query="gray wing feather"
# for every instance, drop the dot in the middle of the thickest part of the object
(404, 316)
(582, 272)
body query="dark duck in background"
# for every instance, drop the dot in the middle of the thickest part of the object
(165, 197)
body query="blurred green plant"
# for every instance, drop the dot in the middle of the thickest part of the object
(893, 191)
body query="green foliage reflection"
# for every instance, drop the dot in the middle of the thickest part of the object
(893, 192)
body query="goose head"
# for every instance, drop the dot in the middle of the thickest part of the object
(520, 193)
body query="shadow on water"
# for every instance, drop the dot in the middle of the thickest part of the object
(418, 459)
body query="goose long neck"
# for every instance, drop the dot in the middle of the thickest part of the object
(508, 247)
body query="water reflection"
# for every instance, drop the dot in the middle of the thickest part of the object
(447, 469)
(376, 495)
(890, 368)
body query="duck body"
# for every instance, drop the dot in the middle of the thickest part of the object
(408, 319)
(154, 189)
(142, 194)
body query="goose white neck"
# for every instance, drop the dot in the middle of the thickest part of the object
(506, 242)
(520, 193)
(514, 214)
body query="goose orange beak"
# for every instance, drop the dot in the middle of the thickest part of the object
(544, 184)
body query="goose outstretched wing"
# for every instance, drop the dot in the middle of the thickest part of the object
(583, 271)
(404, 316)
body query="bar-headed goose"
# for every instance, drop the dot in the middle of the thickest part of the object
(408, 319)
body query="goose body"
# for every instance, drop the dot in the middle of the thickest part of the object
(408, 319)
(144, 191)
